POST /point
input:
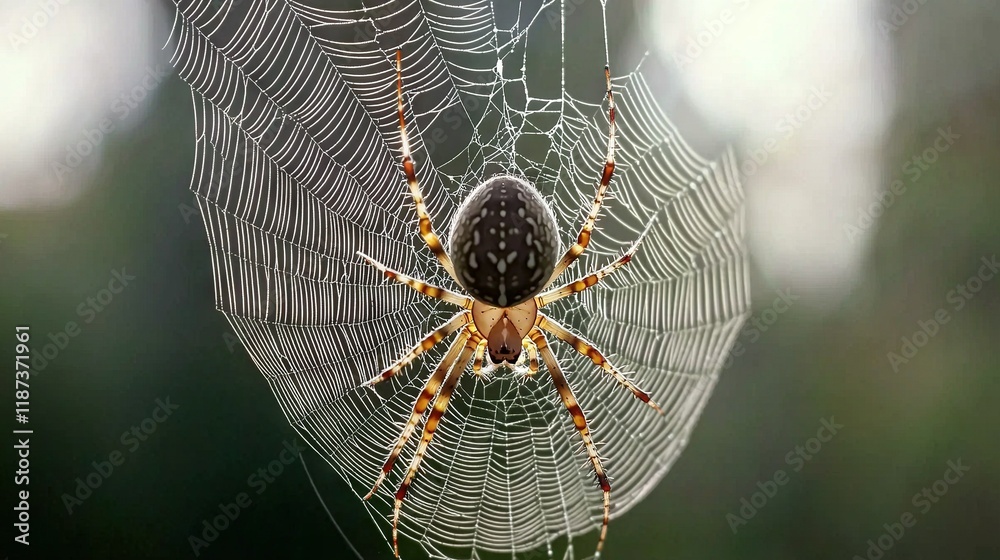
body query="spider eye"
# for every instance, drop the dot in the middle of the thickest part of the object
(504, 242)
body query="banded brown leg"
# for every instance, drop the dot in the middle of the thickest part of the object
(440, 405)
(587, 281)
(426, 395)
(419, 285)
(589, 350)
(583, 239)
(424, 219)
(428, 342)
(580, 421)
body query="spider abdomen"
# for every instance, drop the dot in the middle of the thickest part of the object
(504, 242)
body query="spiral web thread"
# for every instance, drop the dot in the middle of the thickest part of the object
(297, 169)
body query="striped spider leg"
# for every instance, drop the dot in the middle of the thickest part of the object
(583, 239)
(585, 348)
(578, 343)
(438, 387)
(525, 323)
(424, 219)
(504, 241)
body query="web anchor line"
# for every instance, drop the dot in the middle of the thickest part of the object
(329, 514)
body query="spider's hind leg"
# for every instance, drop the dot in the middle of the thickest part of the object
(440, 405)
(428, 290)
(580, 421)
(423, 218)
(420, 406)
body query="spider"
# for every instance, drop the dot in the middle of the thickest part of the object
(505, 245)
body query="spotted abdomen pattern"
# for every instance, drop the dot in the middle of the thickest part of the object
(504, 242)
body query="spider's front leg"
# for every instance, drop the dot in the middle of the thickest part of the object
(424, 219)
(583, 239)
(580, 421)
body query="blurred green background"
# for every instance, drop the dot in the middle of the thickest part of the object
(161, 338)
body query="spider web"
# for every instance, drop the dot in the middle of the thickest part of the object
(297, 169)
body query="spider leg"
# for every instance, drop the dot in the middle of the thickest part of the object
(428, 392)
(419, 285)
(589, 350)
(477, 364)
(583, 239)
(440, 405)
(426, 229)
(532, 353)
(587, 281)
(428, 342)
(580, 421)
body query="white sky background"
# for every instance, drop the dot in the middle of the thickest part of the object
(65, 66)
(812, 81)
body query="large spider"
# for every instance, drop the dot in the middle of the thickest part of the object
(505, 242)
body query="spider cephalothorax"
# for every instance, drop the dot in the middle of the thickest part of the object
(504, 242)
(506, 254)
